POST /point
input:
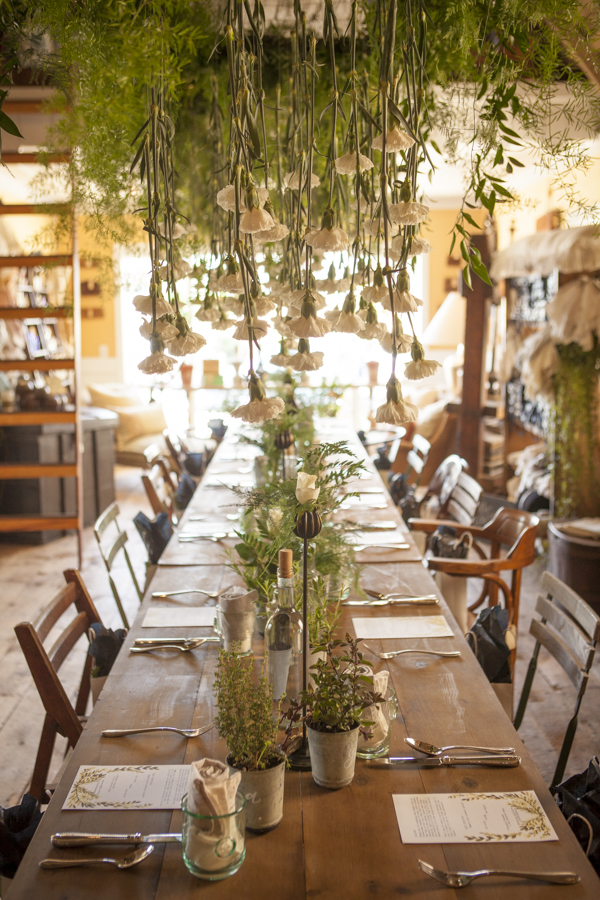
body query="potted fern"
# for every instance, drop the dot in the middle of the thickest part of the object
(245, 721)
(331, 708)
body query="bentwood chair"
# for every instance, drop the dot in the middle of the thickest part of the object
(569, 630)
(511, 535)
(61, 717)
(109, 550)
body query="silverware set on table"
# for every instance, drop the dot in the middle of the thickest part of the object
(184, 732)
(439, 756)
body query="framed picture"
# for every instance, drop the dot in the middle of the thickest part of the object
(36, 341)
(52, 338)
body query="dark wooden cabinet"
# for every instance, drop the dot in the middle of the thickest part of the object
(53, 444)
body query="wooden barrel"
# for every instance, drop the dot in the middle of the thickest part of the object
(576, 561)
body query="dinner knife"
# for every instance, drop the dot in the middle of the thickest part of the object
(505, 760)
(147, 642)
(84, 839)
(407, 601)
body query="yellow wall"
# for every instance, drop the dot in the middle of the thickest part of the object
(98, 332)
(438, 233)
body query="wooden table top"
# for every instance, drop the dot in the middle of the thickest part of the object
(331, 844)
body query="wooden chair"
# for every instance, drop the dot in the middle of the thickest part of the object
(109, 551)
(161, 489)
(569, 629)
(512, 529)
(176, 450)
(442, 442)
(416, 459)
(61, 717)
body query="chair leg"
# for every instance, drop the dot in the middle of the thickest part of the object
(526, 687)
(564, 754)
(118, 602)
(39, 778)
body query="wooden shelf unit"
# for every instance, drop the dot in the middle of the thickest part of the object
(16, 471)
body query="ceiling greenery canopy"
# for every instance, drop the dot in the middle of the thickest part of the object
(262, 144)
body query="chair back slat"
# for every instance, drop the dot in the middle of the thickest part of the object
(581, 611)
(104, 520)
(575, 639)
(67, 640)
(109, 553)
(421, 444)
(464, 498)
(415, 462)
(559, 651)
(459, 513)
(52, 613)
(508, 526)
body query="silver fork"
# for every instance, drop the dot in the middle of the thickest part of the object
(390, 654)
(123, 862)
(462, 879)
(184, 732)
(184, 647)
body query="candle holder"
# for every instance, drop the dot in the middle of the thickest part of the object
(308, 526)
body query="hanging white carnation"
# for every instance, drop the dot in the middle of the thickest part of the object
(396, 411)
(373, 329)
(187, 341)
(308, 324)
(254, 219)
(259, 329)
(163, 329)
(143, 304)
(419, 367)
(395, 140)
(181, 269)
(292, 181)
(277, 232)
(349, 322)
(226, 198)
(259, 409)
(403, 341)
(304, 360)
(350, 162)
(156, 364)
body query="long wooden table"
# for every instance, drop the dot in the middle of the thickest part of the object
(330, 845)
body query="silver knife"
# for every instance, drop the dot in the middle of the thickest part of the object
(433, 762)
(409, 601)
(148, 642)
(84, 839)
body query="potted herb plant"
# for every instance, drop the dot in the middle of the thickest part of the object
(331, 708)
(245, 721)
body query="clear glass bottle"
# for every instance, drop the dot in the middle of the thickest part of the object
(283, 635)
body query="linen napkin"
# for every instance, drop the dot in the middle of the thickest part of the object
(237, 600)
(374, 712)
(212, 786)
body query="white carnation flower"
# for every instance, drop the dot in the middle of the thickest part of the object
(255, 220)
(156, 364)
(396, 410)
(292, 181)
(419, 367)
(408, 213)
(277, 232)
(259, 329)
(143, 304)
(347, 165)
(333, 239)
(395, 140)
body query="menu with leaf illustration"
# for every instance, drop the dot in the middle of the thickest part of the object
(508, 817)
(128, 787)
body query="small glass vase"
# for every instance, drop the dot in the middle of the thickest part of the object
(384, 714)
(214, 847)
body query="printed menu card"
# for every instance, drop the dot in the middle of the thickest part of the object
(128, 787)
(512, 817)
(413, 627)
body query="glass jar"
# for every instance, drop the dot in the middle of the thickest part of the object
(214, 847)
(382, 714)
(283, 643)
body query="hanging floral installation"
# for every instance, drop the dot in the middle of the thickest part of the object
(291, 183)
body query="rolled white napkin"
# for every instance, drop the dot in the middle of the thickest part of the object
(237, 599)
(374, 712)
(212, 787)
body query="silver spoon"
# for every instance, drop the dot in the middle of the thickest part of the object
(432, 750)
(184, 732)
(390, 654)
(123, 862)
(462, 879)
(379, 596)
(184, 647)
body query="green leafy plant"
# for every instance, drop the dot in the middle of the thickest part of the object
(340, 693)
(245, 714)
(575, 415)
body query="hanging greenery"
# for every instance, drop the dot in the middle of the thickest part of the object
(575, 414)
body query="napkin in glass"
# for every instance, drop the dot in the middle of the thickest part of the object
(212, 788)
(374, 712)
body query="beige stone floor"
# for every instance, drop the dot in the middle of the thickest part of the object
(30, 576)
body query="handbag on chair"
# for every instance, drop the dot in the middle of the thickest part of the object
(444, 542)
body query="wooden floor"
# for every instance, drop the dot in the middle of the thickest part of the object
(30, 576)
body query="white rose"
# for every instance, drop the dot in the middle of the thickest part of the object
(305, 488)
